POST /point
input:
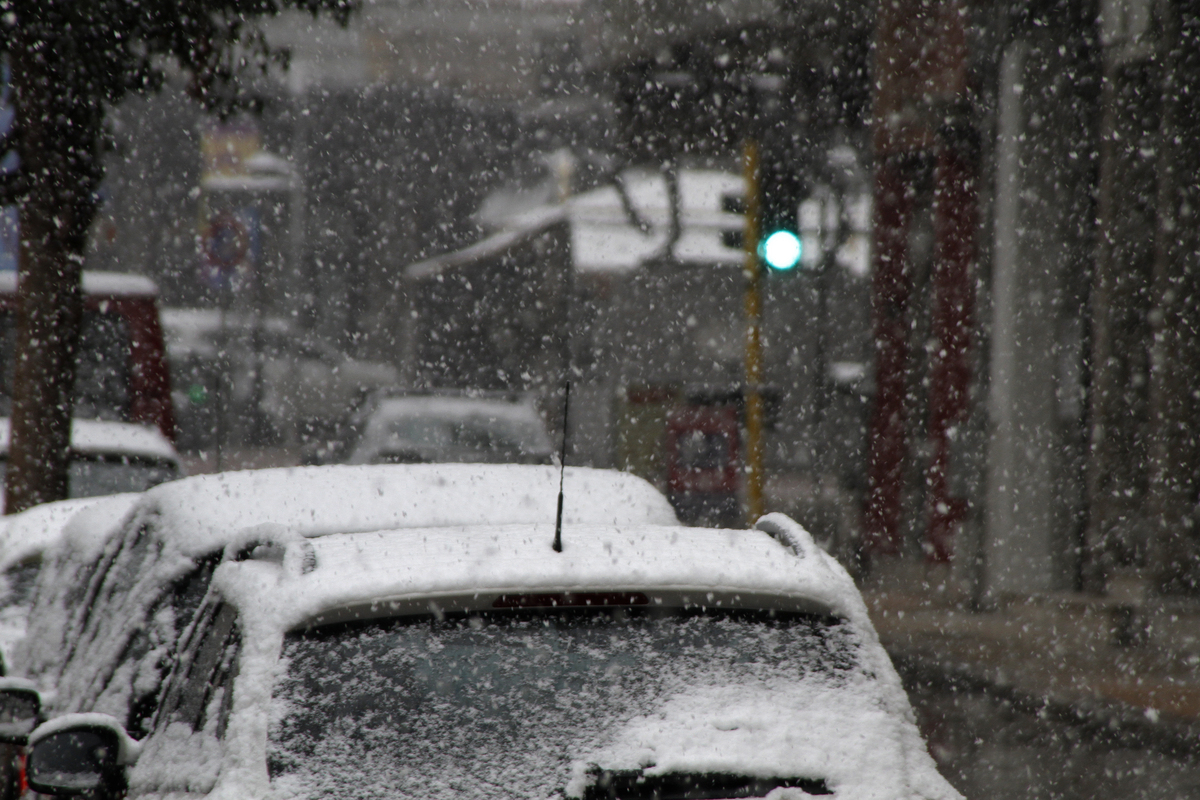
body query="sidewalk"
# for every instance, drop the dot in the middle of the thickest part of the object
(1128, 665)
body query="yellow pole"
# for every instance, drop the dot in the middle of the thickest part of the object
(753, 306)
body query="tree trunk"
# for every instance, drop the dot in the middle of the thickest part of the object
(59, 125)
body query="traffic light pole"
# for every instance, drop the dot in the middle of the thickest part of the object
(753, 307)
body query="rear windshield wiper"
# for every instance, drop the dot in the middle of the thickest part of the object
(636, 785)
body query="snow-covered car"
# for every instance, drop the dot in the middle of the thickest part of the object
(113, 601)
(110, 458)
(25, 539)
(639, 662)
(299, 384)
(424, 428)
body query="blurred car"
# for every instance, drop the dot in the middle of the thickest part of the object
(110, 458)
(296, 385)
(424, 428)
(640, 662)
(114, 598)
(120, 371)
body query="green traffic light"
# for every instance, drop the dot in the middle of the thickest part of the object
(781, 250)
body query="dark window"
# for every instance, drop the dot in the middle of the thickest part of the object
(16, 583)
(182, 748)
(102, 368)
(198, 685)
(703, 451)
(93, 475)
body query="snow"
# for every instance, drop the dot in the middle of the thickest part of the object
(100, 284)
(604, 240)
(807, 728)
(17, 683)
(28, 534)
(491, 246)
(118, 438)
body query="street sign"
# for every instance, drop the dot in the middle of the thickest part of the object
(227, 247)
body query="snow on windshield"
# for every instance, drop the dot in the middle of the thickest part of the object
(524, 705)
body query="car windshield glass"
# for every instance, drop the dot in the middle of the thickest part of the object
(473, 432)
(512, 705)
(94, 477)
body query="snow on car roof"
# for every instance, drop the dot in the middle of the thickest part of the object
(106, 284)
(207, 512)
(29, 533)
(118, 438)
(368, 568)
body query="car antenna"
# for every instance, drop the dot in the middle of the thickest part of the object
(562, 470)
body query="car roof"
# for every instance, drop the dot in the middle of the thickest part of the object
(352, 572)
(37, 529)
(99, 437)
(29, 533)
(206, 513)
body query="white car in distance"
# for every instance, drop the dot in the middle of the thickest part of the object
(110, 458)
(641, 661)
(430, 428)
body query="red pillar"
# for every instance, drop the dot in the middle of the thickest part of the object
(954, 225)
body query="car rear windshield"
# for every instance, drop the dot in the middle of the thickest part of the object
(509, 705)
(434, 437)
(97, 476)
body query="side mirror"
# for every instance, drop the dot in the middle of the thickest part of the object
(79, 753)
(20, 710)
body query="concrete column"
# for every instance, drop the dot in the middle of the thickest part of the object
(1038, 214)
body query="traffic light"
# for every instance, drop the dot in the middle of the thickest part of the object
(780, 246)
